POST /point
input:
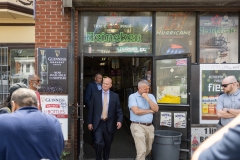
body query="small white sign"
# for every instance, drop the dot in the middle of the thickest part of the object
(166, 119)
(180, 120)
(57, 105)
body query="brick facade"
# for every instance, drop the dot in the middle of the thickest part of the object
(53, 30)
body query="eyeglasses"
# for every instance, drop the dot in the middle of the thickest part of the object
(39, 80)
(225, 85)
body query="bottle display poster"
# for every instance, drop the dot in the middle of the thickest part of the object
(166, 119)
(199, 134)
(211, 76)
(57, 106)
(218, 37)
(52, 70)
(180, 120)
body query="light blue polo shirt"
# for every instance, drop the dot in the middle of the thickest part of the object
(228, 101)
(136, 99)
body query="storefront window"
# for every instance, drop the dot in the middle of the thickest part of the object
(22, 65)
(218, 33)
(117, 32)
(171, 81)
(175, 33)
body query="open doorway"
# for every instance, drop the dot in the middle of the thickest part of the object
(125, 73)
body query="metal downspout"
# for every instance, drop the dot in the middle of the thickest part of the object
(71, 73)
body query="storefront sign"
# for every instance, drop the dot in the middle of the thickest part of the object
(117, 32)
(218, 37)
(58, 107)
(211, 76)
(52, 70)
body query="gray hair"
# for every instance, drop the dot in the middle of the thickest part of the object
(143, 82)
(24, 97)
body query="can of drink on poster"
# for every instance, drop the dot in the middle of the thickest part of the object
(205, 102)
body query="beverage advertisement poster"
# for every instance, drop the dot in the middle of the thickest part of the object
(211, 76)
(166, 119)
(175, 33)
(52, 70)
(218, 34)
(57, 106)
(199, 134)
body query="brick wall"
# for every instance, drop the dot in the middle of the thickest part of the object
(53, 30)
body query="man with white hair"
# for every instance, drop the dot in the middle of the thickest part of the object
(228, 104)
(142, 106)
(27, 133)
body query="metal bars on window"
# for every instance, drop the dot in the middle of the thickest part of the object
(4, 73)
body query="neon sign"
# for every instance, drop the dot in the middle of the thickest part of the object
(105, 37)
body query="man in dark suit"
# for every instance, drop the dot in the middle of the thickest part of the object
(104, 117)
(92, 87)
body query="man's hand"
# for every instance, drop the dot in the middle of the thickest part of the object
(90, 127)
(119, 125)
(145, 96)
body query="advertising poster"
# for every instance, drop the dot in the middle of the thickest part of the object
(218, 34)
(166, 119)
(198, 135)
(52, 70)
(57, 106)
(175, 33)
(211, 76)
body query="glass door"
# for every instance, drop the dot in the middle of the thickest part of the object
(172, 79)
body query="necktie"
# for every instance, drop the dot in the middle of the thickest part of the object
(105, 105)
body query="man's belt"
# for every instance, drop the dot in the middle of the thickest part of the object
(104, 119)
(146, 124)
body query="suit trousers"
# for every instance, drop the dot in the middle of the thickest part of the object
(143, 137)
(103, 140)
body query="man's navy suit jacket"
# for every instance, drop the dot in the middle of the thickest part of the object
(114, 111)
(91, 87)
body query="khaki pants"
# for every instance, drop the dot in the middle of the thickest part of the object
(143, 137)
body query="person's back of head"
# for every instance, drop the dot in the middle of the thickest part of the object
(24, 97)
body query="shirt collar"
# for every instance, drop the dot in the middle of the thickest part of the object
(105, 92)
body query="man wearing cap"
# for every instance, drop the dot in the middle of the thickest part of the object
(6, 106)
(35, 84)
(27, 133)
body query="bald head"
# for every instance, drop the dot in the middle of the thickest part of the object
(229, 79)
(229, 85)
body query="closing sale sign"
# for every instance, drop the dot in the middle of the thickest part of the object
(57, 105)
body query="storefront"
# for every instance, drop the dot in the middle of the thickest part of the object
(171, 44)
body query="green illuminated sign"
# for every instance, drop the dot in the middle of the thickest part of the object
(207, 30)
(105, 37)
